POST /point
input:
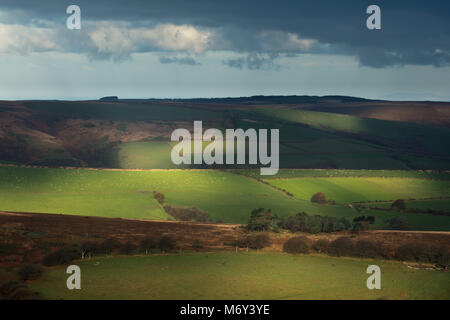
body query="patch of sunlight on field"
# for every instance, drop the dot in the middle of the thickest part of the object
(241, 276)
(347, 190)
(128, 194)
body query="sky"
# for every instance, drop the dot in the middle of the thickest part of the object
(210, 48)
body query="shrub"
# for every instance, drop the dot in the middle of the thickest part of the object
(443, 258)
(148, 244)
(319, 197)
(196, 245)
(109, 245)
(399, 205)
(61, 256)
(11, 290)
(366, 249)
(29, 272)
(8, 248)
(397, 223)
(159, 197)
(423, 252)
(321, 245)
(406, 252)
(128, 248)
(363, 223)
(241, 243)
(361, 226)
(258, 241)
(296, 245)
(166, 244)
(89, 248)
(342, 246)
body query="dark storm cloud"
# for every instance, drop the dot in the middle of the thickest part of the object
(413, 32)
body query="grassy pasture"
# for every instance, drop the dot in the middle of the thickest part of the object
(225, 196)
(432, 137)
(401, 144)
(330, 173)
(241, 276)
(142, 155)
(128, 194)
(347, 190)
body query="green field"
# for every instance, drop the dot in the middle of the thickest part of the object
(347, 190)
(142, 155)
(330, 173)
(128, 194)
(225, 196)
(435, 204)
(241, 276)
(428, 137)
(344, 141)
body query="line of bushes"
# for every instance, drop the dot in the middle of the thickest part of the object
(89, 249)
(181, 213)
(345, 246)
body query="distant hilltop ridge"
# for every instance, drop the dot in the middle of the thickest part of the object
(109, 98)
(259, 99)
(274, 99)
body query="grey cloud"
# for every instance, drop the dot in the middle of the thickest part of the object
(413, 32)
(254, 61)
(184, 60)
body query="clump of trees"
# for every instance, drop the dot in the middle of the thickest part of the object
(363, 223)
(261, 220)
(397, 223)
(302, 222)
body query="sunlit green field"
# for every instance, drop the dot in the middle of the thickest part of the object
(347, 190)
(142, 155)
(241, 276)
(128, 194)
(226, 196)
